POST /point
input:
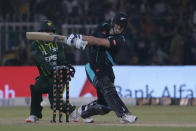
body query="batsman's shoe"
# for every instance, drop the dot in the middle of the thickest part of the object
(32, 119)
(128, 119)
(86, 120)
(74, 116)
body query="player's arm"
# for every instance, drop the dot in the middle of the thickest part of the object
(80, 41)
(96, 41)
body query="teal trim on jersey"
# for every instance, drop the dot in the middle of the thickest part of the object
(90, 71)
(104, 24)
(123, 37)
(109, 57)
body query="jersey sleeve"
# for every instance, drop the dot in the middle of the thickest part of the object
(38, 57)
(117, 40)
(102, 29)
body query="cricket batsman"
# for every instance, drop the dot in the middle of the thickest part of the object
(102, 48)
(46, 55)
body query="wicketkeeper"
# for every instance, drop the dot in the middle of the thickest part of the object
(46, 55)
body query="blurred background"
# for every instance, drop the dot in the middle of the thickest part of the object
(157, 68)
(160, 32)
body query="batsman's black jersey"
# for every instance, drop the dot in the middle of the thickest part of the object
(101, 59)
(46, 55)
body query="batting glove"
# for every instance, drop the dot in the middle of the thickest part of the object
(72, 36)
(76, 41)
(80, 44)
(77, 35)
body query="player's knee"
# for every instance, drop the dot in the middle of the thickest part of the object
(104, 109)
(110, 89)
(95, 109)
(107, 87)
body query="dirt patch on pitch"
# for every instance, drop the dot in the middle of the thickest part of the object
(104, 123)
(147, 124)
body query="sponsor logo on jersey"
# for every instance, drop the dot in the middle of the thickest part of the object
(122, 18)
(44, 53)
(51, 58)
(54, 49)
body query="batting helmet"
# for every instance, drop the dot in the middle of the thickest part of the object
(120, 19)
(47, 26)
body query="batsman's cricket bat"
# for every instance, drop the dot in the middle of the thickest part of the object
(44, 36)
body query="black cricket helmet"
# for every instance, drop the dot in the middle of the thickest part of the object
(47, 26)
(120, 19)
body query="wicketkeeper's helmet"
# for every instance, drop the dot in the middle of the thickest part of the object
(47, 26)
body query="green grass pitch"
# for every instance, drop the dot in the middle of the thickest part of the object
(151, 118)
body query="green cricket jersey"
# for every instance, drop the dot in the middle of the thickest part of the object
(46, 55)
